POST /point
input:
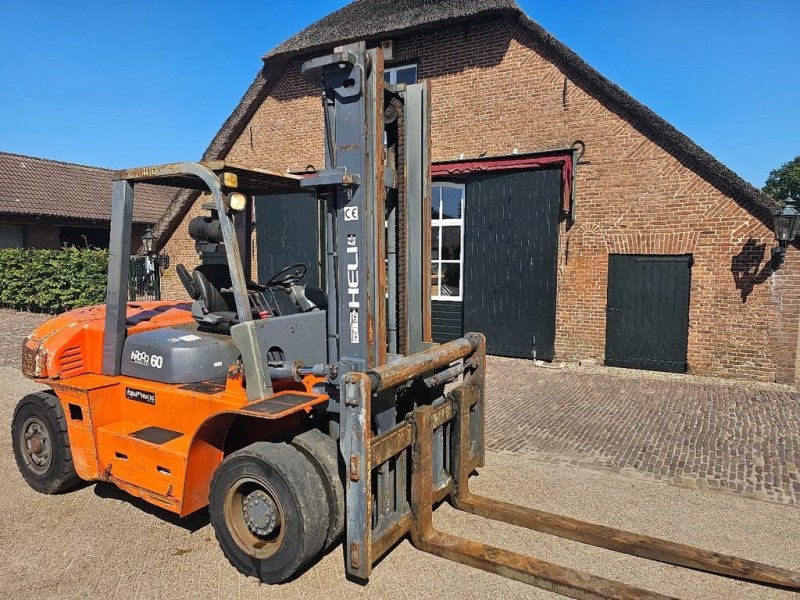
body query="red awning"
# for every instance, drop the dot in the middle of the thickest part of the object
(481, 165)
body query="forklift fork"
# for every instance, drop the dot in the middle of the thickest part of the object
(440, 467)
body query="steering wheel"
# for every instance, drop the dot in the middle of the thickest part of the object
(288, 276)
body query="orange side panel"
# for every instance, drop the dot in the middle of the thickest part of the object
(163, 443)
(81, 423)
(79, 429)
(158, 469)
(205, 455)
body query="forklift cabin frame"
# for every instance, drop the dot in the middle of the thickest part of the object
(218, 178)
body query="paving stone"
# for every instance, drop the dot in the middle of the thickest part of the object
(737, 436)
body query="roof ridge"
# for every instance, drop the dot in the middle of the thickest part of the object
(53, 160)
(313, 37)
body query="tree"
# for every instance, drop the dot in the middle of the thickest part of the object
(784, 181)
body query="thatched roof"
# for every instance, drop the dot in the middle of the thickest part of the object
(375, 19)
(368, 19)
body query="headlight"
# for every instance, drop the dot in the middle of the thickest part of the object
(34, 359)
(237, 201)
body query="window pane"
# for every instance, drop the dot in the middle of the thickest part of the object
(434, 209)
(407, 74)
(451, 202)
(436, 195)
(451, 242)
(451, 280)
(434, 279)
(11, 236)
(387, 76)
(434, 243)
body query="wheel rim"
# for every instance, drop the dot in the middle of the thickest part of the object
(254, 516)
(36, 445)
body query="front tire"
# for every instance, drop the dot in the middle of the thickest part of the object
(41, 444)
(269, 511)
(323, 452)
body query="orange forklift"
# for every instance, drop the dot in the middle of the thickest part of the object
(300, 417)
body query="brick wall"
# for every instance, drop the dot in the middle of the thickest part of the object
(493, 93)
(42, 235)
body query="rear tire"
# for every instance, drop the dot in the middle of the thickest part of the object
(323, 453)
(41, 444)
(268, 509)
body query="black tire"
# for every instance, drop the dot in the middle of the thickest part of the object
(41, 444)
(323, 453)
(281, 477)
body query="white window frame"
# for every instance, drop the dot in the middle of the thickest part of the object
(392, 72)
(439, 223)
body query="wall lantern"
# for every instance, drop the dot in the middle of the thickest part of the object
(148, 240)
(786, 225)
(144, 278)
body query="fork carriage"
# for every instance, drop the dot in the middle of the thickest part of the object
(429, 456)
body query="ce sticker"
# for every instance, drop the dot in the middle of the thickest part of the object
(351, 213)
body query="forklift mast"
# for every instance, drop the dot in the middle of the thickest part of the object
(376, 190)
(375, 184)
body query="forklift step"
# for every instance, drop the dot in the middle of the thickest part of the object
(173, 442)
(156, 435)
(284, 403)
(141, 455)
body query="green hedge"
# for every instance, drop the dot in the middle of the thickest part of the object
(52, 280)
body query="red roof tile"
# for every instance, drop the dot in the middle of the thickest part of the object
(37, 186)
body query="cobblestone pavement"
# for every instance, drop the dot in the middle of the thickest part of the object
(730, 435)
(14, 327)
(695, 432)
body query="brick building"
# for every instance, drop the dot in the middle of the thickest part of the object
(48, 203)
(590, 227)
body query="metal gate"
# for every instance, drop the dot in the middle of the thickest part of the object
(144, 280)
(511, 245)
(287, 227)
(647, 316)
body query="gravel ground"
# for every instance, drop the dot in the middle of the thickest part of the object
(99, 542)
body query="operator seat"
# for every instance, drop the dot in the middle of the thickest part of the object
(211, 283)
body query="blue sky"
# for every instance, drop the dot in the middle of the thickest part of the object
(120, 84)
